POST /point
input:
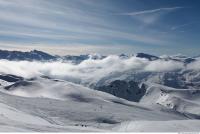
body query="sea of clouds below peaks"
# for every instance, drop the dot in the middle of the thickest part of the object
(91, 68)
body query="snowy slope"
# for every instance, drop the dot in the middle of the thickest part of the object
(159, 126)
(65, 106)
(13, 120)
(184, 101)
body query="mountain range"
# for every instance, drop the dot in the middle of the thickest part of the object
(36, 55)
(121, 93)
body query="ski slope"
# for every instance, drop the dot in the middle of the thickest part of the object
(51, 105)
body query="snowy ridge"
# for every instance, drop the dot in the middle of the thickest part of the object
(71, 105)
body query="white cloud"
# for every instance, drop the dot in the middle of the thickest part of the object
(194, 65)
(70, 49)
(184, 25)
(151, 16)
(69, 22)
(162, 66)
(152, 11)
(89, 70)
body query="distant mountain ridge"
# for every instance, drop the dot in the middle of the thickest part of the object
(36, 55)
(147, 56)
(30, 56)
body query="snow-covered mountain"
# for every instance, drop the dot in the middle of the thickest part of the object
(36, 55)
(98, 93)
(30, 56)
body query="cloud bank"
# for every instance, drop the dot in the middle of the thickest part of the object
(89, 70)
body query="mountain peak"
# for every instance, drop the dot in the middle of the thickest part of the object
(147, 56)
(30, 56)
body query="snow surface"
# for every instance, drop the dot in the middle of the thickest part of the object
(159, 126)
(163, 94)
(64, 106)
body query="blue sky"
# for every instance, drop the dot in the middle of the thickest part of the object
(101, 26)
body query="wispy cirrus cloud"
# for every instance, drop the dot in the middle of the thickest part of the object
(144, 12)
(71, 48)
(184, 25)
(64, 21)
(152, 15)
(86, 22)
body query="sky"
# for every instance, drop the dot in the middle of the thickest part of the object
(101, 26)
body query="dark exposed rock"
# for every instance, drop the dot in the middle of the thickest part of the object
(128, 90)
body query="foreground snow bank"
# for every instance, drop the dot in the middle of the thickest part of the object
(159, 126)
